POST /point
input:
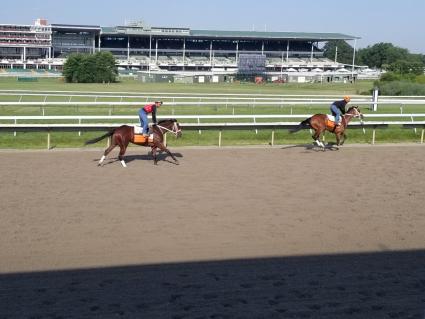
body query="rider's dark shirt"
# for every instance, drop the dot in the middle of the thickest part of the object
(341, 105)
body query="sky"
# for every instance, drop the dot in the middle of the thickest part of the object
(401, 23)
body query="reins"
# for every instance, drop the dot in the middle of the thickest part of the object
(175, 131)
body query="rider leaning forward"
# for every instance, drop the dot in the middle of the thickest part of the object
(143, 115)
(338, 109)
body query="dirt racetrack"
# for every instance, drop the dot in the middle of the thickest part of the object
(285, 232)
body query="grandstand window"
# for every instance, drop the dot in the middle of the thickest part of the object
(197, 44)
(170, 43)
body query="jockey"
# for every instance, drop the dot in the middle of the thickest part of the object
(338, 109)
(143, 115)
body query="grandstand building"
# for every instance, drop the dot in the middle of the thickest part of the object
(159, 51)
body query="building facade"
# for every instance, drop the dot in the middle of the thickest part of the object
(141, 48)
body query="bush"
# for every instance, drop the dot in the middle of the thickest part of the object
(90, 68)
(401, 88)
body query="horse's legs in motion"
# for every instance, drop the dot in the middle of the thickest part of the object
(123, 148)
(107, 151)
(316, 138)
(338, 139)
(164, 149)
(155, 160)
(343, 138)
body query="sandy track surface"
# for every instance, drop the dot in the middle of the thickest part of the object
(230, 233)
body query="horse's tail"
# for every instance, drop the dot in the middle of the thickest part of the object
(304, 124)
(97, 139)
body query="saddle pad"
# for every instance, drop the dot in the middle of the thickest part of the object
(330, 124)
(331, 117)
(138, 129)
(138, 138)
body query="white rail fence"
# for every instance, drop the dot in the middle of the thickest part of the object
(198, 125)
(197, 122)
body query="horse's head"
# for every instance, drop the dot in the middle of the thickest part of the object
(355, 111)
(172, 126)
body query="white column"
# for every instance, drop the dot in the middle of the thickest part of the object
(237, 51)
(184, 50)
(128, 48)
(211, 52)
(354, 58)
(287, 51)
(262, 47)
(311, 56)
(150, 49)
(281, 68)
(25, 57)
(49, 62)
(336, 53)
(156, 51)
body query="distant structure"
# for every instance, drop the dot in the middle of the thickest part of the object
(167, 53)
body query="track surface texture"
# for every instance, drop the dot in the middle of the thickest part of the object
(283, 232)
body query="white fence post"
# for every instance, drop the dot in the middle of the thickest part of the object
(48, 139)
(375, 99)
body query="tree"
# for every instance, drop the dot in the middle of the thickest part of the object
(106, 70)
(345, 51)
(381, 55)
(89, 68)
(407, 67)
(70, 68)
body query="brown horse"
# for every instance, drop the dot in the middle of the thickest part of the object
(124, 134)
(320, 122)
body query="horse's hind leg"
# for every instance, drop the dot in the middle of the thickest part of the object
(123, 148)
(316, 138)
(107, 151)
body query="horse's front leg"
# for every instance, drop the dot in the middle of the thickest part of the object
(343, 138)
(338, 140)
(163, 148)
(155, 159)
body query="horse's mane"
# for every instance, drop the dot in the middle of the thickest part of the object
(167, 120)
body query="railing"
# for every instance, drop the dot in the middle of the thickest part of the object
(15, 127)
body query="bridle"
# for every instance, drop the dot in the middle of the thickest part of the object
(175, 130)
(358, 115)
(354, 115)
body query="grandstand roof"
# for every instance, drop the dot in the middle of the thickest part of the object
(273, 35)
(185, 32)
(76, 27)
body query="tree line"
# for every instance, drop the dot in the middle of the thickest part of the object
(382, 55)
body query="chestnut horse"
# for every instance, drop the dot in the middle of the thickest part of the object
(124, 134)
(319, 123)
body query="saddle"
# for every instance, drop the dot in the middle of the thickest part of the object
(139, 138)
(330, 122)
